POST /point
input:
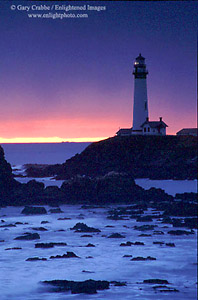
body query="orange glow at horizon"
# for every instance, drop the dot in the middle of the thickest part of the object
(55, 139)
(79, 130)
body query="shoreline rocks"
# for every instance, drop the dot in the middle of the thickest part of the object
(28, 237)
(32, 210)
(81, 227)
(67, 255)
(77, 287)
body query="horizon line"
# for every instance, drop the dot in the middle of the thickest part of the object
(43, 140)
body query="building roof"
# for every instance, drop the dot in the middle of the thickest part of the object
(124, 131)
(140, 57)
(154, 124)
(188, 131)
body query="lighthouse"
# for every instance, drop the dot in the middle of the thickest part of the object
(141, 123)
(140, 104)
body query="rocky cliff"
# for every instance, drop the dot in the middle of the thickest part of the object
(7, 181)
(155, 157)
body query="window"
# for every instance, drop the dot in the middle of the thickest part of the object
(148, 129)
(144, 129)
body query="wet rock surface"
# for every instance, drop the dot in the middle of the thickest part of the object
(32, 210)
(67, 255)
(78, 287)
(180, 232)
(116, 236)
(156, 281)
(55, 211)
(140, 258)
(49, 245)
(81, 227)
(28, 237)
(36, 259)
(14, 248)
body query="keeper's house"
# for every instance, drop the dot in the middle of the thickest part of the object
(154, 127)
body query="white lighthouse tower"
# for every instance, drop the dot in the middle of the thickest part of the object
(141, 123)
(140, 104)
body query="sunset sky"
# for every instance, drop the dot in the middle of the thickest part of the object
(71, 79)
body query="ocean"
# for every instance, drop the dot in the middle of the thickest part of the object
(38, 153)
(105, 260)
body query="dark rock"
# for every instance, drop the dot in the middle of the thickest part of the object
(158, 195)
(44, 222)
(84, 271)
(31, 210)
(164, 288)
(180, 232)
(127, 244)
(35, 259)
(52, 192)
(64, 218)
(130, 243)
(158, 232)
(170, 244)
(81, 227)
(118, 283)
(167, 220)
(191, 223)
(86, 235)
(116, 236)
(8, 225)
(90, 245)
(49, 245)
(136, 155)
(144, 235)
(138, 244)
(68, 255)
(177, 222)
(39, 228)
(145, 227)
(18, 223)
(187, 196)
(127, 255)
(7, 182)
(14, 248)
(55, 211)
(181, 209)
(28, 237)
(156, 281)
(78, 189)
(78, 287)
(144, 219)
(158, 243)
(140, 258)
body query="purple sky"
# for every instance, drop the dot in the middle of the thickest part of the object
(72, 78)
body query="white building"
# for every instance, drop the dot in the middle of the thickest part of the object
(141, 123)
(188, 131)
(154, 127)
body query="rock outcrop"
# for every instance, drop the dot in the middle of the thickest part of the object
(77, 287)
(155, 157)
